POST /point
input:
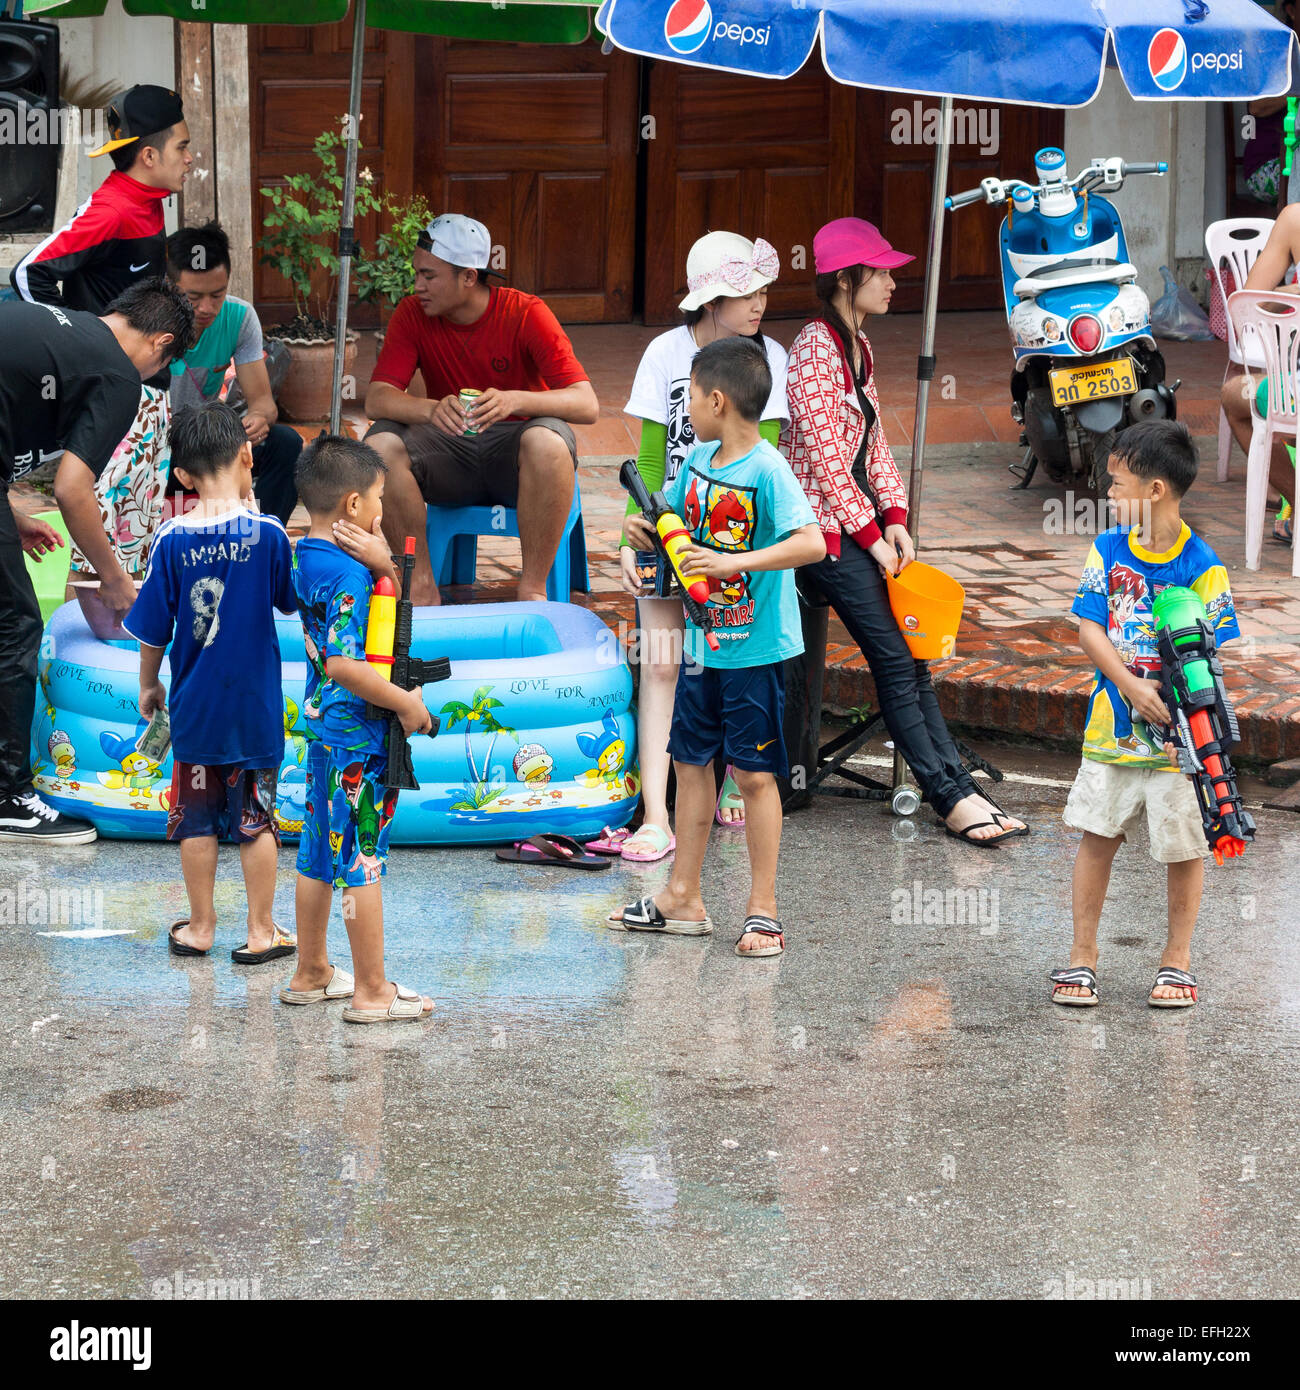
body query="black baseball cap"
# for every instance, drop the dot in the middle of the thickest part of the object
(140, 110)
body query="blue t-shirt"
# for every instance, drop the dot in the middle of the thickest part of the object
(1120, 582)
(334, 600)
(212, 582)
(749, 504)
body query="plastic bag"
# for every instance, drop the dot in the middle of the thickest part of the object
(1177, 315)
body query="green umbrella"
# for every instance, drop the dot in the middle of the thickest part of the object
(522, 21)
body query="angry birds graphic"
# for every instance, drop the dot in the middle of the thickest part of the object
(63, 753)
(730, 521)
(606, 750)
(136, 772)
(726, 593)
(691, 510)
(533, 764)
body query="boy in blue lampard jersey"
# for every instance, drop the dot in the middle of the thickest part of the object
(1128, 772)
(214, 576)
(348, 807)
(751, 526)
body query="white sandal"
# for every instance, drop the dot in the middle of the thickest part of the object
(407, 1007)
(340, 986)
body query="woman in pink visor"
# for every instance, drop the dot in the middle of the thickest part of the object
(838, 452)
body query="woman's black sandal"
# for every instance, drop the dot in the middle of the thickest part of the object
(1078, 977)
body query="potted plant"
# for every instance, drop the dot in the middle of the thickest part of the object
(301, 243)
(386, 274)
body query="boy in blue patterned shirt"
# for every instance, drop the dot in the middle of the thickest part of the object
(348, 807)
(1128, 771)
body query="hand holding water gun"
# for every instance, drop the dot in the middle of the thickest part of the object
(1204, 726)
(388, 648)
(671, 537)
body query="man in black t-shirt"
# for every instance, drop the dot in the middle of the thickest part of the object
(68, 379)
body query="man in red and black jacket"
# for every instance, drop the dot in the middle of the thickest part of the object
(117, 236)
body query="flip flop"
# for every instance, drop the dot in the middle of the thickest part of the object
(282, 944)
(982, 825)
(762, 926)
(609, 841)
(643, 915)
(730, 799)
(1076, 977)
(1167, 975)
(662, 843)
(340, 986)
(405, 1008)
(560, 851)
(179, 948)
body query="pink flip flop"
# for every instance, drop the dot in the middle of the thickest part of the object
(663, 842)
(609, 841)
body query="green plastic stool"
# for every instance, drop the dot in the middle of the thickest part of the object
(50, 573)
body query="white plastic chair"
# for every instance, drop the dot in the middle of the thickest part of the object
(1238, 241)
(1270, 324)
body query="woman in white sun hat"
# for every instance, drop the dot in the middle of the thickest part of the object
(726, 278)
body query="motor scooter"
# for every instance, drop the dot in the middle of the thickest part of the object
(1086, 362)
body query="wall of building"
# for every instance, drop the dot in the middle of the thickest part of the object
(120, 49)
(1164, 217)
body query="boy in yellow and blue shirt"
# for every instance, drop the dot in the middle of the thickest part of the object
(1127, 773)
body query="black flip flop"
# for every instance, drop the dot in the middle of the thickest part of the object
(555, 851)
(179, 948)
(981, 825)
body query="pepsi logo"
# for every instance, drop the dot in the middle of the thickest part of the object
(687, 24)
(1167, 59)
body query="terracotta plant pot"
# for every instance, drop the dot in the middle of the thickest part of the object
(305, 395)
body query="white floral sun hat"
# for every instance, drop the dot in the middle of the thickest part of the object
(725, 263)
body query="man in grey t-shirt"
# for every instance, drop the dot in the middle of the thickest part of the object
(198, 261)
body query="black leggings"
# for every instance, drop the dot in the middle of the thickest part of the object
(20, 641)
(855, 588)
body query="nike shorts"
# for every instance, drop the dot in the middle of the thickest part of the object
(733, 711)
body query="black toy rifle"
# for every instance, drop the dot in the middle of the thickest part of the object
(388, 638)
(671, 538)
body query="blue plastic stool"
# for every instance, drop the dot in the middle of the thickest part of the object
(452, 534)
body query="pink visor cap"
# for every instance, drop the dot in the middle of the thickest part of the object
(851, 241)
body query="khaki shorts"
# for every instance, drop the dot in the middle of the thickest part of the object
(1110, 800)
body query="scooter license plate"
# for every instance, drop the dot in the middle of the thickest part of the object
(1071, 385)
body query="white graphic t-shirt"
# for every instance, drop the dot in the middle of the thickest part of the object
(661, 390)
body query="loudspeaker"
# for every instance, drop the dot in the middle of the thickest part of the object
(29, 124)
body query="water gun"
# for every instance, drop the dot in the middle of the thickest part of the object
(388, 649)
(1288, 135)
(671, 538)
(1204, 726)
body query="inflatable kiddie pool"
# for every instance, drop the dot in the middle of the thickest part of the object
(536, 733)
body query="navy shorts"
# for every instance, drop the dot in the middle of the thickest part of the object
(222, 799)
(733, 711)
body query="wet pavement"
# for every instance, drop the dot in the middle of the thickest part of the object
(893, 1109)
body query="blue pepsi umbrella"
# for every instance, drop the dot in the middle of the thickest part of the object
(1035, 52)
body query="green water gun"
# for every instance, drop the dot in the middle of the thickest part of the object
(1288, 135)
(1204, 726)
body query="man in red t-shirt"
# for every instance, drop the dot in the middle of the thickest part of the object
(464, 334)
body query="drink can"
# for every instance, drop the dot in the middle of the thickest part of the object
(468, 400)
(157, 738)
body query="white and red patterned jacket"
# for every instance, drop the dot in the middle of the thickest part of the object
(823, 438)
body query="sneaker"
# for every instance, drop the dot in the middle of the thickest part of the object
(27, 817)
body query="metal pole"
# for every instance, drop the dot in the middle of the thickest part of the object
(925, 363)
(347, 239)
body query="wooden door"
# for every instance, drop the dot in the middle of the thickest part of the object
(539, 143)
(298, 87)
(894, 176)
(762, 158)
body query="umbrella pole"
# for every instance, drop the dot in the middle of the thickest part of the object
(347, 233)
(925, 363)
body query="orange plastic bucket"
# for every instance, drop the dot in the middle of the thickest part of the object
(927, 607)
